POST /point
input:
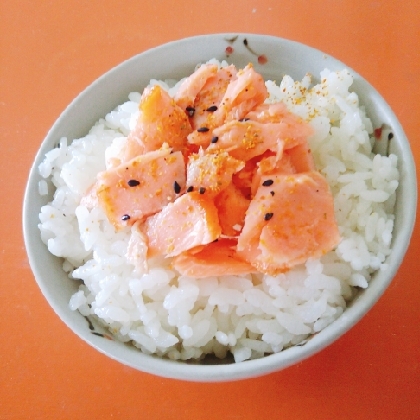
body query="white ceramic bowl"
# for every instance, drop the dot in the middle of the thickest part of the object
(175, 60)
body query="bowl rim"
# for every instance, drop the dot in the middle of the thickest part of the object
(273, 362)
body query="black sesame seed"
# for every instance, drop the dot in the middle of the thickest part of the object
(268, 216)
(272, 192)
(212, 108)
(202, 129)
(390, 136)
(214, 139)
(125, 217)
(267, 183)
(133, 183)
(245, 42)
(177, 188)
(202, 190)
(190, 111)
(190, 189)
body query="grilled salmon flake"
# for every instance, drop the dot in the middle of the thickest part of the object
(218, 179)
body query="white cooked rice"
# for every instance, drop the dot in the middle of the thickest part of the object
(185, 318)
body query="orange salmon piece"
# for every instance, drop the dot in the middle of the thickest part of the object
(247, 91)
(243, 93)
(199, 92)
(301, 158)
(191, 220)
(290, 219)
(248, 139)
(189, 88)
(273, 113)
(160, 121)
(141, 187)
(299, 155)
(216, 259)
(295, 160)
(246, 178)
(271, 166)
(208, 100)
(232, 206)
(211, 173)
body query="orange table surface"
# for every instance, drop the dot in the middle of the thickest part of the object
(50, 51)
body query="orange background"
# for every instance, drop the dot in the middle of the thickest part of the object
(50, 51)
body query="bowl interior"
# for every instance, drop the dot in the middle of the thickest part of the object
(174, 61)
